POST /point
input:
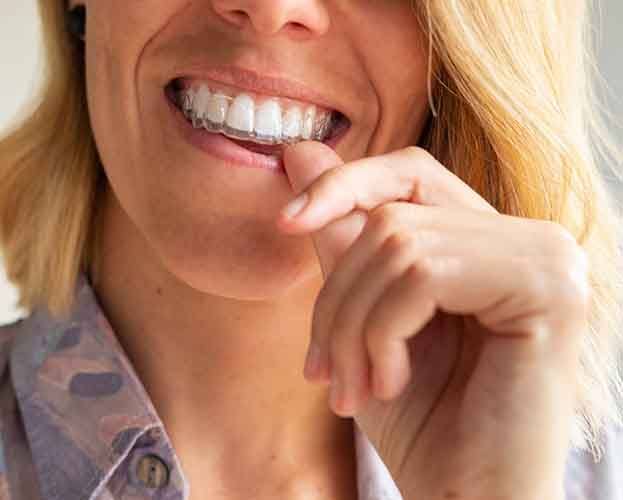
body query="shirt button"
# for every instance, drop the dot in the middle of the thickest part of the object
(152, 471)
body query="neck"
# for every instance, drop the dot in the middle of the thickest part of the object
(224, 374)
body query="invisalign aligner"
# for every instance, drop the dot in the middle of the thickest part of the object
(320, 129)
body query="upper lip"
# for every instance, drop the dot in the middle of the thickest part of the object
(254, 81)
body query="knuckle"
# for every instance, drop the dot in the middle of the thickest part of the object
(420, 188)
(413, 151)
(561, 286)
(571, 267)
(578, 274)
(382, 212)
(420, 192)
(574, 288)
(540, 338)
(577, 261)
(390, 212)
(423, 269)
(559, 235)
(381, 218)
(536, 278)
(395, 243)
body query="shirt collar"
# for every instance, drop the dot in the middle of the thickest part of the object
(80, 398)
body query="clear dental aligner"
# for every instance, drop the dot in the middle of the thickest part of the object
(241, 117)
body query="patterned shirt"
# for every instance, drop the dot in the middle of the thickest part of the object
(76, 423)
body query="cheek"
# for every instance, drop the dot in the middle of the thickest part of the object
(118, 33)
(397, 70)
(402, 87)
(400, 67)
(400, 61)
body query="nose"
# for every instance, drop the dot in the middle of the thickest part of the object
(307, 18)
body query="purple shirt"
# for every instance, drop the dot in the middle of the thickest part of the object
(76, 423)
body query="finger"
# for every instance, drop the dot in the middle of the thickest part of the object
(304, 162)
(434, 230)
(386, 340)
(409, 174)
(368, 269)
(351, 264)
(345, 344)
(454, 285)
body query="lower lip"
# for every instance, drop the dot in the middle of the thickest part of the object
(221, 147)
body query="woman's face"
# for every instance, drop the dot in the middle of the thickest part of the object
(211, 222)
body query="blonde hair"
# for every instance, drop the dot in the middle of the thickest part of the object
(515, 115)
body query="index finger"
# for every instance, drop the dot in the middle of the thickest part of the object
(411, 174)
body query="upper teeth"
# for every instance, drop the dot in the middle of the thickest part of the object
(268, 122)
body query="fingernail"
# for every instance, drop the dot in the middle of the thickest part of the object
(312, 362)
(295, 206)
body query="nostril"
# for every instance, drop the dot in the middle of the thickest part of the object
(239, 16)
(299, 29)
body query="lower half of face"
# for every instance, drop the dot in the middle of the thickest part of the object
(194, 157)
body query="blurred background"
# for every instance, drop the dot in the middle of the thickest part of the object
(20, 57)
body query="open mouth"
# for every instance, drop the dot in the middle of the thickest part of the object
(260, 124)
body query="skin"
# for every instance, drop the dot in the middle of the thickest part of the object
(197, 280)
(423, 275)
(434, 315)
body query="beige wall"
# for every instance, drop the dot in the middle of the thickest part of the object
(19, 56)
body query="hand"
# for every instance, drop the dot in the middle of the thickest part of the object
(450, 332)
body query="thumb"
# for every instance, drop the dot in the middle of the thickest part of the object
(304, 162)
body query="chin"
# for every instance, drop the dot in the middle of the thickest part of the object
(256, 263)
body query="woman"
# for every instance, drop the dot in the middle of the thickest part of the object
(454, 273)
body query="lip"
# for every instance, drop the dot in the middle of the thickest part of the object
(220, 146)
(260, 83)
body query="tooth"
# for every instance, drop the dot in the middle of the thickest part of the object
(240, 113)
(187, 111)
(187, 100)
(201, 101)
(292, 122)
(268, 120)
(265, 123)
(217, 108)
(308, 122)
